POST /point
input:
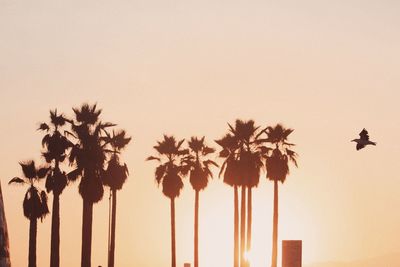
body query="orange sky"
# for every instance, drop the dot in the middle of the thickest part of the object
(325, 68)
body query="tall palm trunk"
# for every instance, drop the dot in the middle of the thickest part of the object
(249, 220)
(111, 251)
(32, 242)
(173, 248)
(196, 229)
(236, 227)
(55, 232)
(243, 227)
(275, 228)
(86, 233)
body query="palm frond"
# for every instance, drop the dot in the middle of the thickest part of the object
(210, 162)
(17, 180)
(264, 149)
(223, 167)
(292, 156)
(232, 129)
(126, 168)
(288, 144)
(160, 172)
(74, 174)
(153, 158)
(68, 133)
(179, 144)
(105, 125)
(208, 150)
(41, 172)
(29, 169)
(43, 127)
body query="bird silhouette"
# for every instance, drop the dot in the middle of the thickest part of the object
(363, 140)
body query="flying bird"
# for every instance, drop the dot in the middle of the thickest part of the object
(363, 140)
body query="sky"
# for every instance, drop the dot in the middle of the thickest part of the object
(324, 68)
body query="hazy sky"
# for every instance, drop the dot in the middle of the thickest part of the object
(325, 68)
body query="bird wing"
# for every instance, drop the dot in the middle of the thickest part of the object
(359, 146)
(364, 135)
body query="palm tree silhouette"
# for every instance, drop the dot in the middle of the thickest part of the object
(229, 169)
(249, 156)
(277, 164)
(35, 202)
(199, 168)
(56, 144)
(115, 176)
(89, 156)
(169, 174)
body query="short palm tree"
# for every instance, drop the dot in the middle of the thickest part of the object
(199, 168)
(229, 169)
(115, 176)
(277, 164)
(35, 202)
(56, 145)
(88, 156)
(169, 173)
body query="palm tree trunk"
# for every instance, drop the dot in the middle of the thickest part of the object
(173, 249)
(86, 233)
(113, 219)
(243, 227)
(236, 227)
(275, 228)
(32, 242)
(249, 220)
(55, 232)
(196, 229)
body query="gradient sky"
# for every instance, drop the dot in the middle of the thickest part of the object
(325, 68)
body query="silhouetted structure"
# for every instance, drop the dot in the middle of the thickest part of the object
(4, 243)
(199, 172)
(34, 204)
(88, 156)
(115, 177)
(291, 253)
(169, 174)
(56, 146)
(231, 178)
(277, 165)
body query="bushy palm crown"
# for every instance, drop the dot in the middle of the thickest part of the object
(56, 145)
(197, 164)
(116, 173)
(170, 170)
(35, 202)
(243, 153)
(277, 162)
(229, 168)
(89, 154)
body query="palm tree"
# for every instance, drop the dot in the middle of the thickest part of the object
(229, 169)
(35, 202)
(249, 155)
(277, 164)
(56, 144)
(115, 177)
(169, 174)
(199, 168)
(88, 156)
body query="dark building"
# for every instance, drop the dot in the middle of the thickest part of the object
(291, 253)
